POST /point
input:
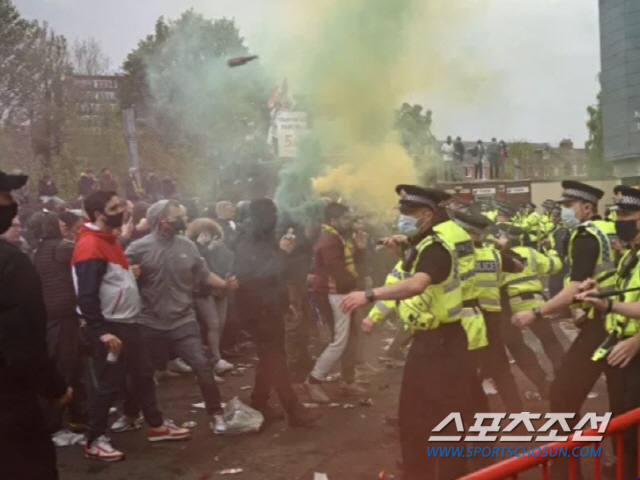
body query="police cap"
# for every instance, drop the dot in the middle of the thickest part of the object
(415, 196)
(548, 203)
(471, 222)
(510, 231)
(627, 198)
(573, 190)
(506, 211)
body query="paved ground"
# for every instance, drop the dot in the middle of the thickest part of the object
(348, 444)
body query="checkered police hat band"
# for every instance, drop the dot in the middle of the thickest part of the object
(626, 200)
(581, 194)
(420, 200)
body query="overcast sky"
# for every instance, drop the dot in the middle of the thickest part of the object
(544, 55)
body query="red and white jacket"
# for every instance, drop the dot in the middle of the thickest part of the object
(105, 286)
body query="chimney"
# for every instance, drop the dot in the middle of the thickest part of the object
(566, 144)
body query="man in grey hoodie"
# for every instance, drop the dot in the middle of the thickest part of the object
(170, 269)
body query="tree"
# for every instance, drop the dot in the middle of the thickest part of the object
(179, 83)
(521, 153)
(597, 167)
(16, 36)
(414, 129)
(89, 58)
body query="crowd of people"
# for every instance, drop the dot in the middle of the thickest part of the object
(132, 292)
(136, 291)
(453, 152)
(136, 186)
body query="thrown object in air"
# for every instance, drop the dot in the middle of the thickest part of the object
(239, 61)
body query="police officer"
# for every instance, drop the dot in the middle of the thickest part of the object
(623, 318)
(489, 265)
(524, 290)
(590, 255)
(558, 240)
(454, 234)
(429, 302)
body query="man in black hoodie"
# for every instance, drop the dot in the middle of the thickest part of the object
(26, 371)
(261, 267)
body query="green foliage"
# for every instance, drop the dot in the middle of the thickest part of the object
(414, 129)
(520, 153)
(178, 81)
(597, 167)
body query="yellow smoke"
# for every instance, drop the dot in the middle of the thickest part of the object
(355, 62)
(368, 175)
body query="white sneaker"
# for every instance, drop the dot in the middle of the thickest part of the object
(126, 424)
(101, 449)
(179, 366)
(218, 424)
(222, 366)
(316, 392)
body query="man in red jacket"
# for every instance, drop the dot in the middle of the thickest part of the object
(334, 274)
(109, 301)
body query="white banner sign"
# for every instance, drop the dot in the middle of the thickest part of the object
(289, 126)
(484, 191)
(517, 189)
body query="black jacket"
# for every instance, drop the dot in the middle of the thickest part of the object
(52, 259)
(86, 186)
(261, 268)
(47, 189)
(25, 367)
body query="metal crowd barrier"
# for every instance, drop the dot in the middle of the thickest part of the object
(511, 468)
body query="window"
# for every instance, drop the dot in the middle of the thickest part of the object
(574, 170)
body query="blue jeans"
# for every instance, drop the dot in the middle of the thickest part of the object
(186, 342)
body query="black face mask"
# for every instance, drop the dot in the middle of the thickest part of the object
(115, 221)
(178, 225)
(627, 229)
(7, 214)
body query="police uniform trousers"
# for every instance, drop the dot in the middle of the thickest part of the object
(525, 357)
(495, 363)
(433, 386)
(577, 376)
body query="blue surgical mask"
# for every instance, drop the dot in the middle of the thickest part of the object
(569, 218)
(408, 225)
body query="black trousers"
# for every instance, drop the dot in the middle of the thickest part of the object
(111, 378)
(64, 346)
(433, 386)
(494, 168)
(297, 333)
(26, 449)
(272, 370)
(524, 356)
(495, 363)
(577, 376)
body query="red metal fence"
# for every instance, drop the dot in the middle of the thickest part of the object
(509, 469)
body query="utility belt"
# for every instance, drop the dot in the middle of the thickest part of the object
(472, 303)
(528, 296)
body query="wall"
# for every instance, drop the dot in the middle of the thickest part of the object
(541, 191)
